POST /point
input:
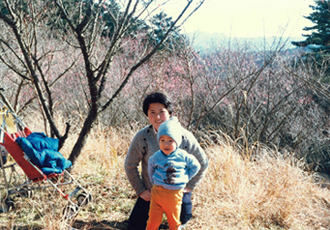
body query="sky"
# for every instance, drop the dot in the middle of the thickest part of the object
(248, 18)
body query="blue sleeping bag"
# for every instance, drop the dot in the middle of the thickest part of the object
(43, 151)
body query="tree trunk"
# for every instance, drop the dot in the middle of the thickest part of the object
(83, 135)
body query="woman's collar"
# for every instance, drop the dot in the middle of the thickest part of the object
(155, 131)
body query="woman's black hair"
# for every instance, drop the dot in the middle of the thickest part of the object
(157, 97)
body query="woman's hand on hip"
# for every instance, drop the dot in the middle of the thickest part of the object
(146, 195)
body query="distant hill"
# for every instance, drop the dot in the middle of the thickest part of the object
(204, 42)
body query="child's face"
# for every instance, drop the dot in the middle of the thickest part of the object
(167, 144)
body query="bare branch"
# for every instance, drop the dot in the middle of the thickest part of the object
(143, 60)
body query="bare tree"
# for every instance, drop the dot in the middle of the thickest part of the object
(79, 26)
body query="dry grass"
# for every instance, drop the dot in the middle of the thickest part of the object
(269, 191)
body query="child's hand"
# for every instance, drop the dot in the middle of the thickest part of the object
(186, 190)
(146, 195)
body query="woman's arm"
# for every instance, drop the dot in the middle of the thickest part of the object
(151, 169)
(133, 158)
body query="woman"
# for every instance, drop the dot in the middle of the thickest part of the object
(158, 108)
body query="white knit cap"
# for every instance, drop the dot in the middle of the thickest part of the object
(171, 128)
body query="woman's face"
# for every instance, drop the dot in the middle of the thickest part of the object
(157, 114)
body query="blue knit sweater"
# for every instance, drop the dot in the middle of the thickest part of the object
(172, 171)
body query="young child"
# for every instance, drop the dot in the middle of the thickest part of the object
(170, 169)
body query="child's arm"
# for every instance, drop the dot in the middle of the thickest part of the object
(193, 166)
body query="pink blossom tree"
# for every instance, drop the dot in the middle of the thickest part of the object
(75, 27)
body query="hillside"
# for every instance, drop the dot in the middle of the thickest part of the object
(245, 188)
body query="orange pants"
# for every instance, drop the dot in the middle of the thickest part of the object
(168, 201)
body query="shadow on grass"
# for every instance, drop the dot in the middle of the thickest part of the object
(91, 225)
(20, 227)
(77, 225)
(100, 225)
(95, 225)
